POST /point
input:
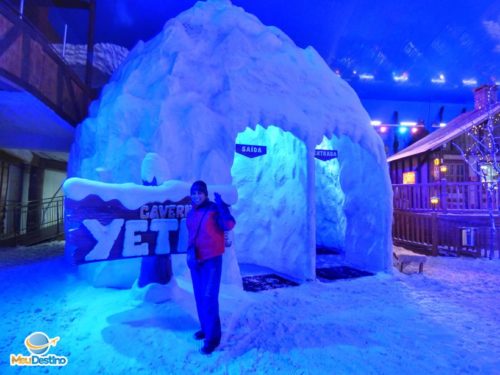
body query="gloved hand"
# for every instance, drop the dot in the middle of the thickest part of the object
(218, 201)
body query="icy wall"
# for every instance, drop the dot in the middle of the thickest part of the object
(212, 72)
(330, 216)
(271, 208)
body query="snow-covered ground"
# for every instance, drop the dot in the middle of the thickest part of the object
(444, 321)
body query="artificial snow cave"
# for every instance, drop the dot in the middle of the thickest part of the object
(214, 78)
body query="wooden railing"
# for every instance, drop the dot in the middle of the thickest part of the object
(436, 233)
(28, 61)
(452, 196)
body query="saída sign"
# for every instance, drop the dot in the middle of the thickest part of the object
(251, 151)
(98, 230)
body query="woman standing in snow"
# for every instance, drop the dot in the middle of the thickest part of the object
(206, 223)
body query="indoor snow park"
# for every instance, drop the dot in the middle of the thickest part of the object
(249, 187)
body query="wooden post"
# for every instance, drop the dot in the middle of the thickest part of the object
(444, 195)
(35, 195)
(434, 229)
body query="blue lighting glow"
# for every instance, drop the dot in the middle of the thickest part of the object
(402, 129)
(408, 123)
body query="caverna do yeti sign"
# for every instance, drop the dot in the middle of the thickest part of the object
(106, 221)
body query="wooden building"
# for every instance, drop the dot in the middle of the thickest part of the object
(423, 161)
(440, 204)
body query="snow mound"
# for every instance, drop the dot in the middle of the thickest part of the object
(212, 73)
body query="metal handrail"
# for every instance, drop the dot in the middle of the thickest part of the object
(32, 219)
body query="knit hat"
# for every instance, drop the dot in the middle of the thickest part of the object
(200, 186)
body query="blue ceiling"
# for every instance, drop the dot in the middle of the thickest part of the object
(378, 40)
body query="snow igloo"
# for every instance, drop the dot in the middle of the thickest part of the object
(216, 77)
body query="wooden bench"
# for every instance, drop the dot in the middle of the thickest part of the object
(405, 258)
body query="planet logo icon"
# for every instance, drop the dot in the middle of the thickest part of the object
(38, 343)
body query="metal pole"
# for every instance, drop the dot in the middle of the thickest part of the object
(21, 9)
(64, 39)
(90, 43)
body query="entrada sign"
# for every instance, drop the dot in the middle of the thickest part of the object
(325, 155)
(251, 151)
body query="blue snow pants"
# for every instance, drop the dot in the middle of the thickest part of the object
(206, 278)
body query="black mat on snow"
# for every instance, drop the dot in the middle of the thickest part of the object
(266, 282)
(337, 273)
(327, 251)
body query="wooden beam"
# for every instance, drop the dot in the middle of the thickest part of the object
(8, 38)
(74, 4)
(69, 4)
(53, 164)
(5, 156)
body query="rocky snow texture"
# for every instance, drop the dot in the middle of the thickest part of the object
(107, 56)
(215, 71)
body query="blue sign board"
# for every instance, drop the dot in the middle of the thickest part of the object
(251, 151)
(326, 154)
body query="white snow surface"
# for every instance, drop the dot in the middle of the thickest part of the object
(154, 167)
(444, 321)
(133, 196)
(214, 72)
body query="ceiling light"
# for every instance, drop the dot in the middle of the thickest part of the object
(469, 82)
(367, 77)
(376, 122)
(440, 79)
(408, 123)
(400, 78)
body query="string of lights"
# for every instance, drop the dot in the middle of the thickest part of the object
(481, 146)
